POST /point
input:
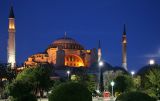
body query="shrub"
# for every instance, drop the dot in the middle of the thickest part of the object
(21, 91)
(134, 96)
(70, 92)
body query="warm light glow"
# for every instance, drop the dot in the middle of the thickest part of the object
(81, 64)
(11, 24)
(151, 62)
(124, 41)
(74, 61)
(88, 51)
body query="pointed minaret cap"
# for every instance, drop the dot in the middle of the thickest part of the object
(124, 32)
(11, 14)
(65, 34)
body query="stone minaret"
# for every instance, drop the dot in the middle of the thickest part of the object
(99, 51)
(124, 49)
(11, 40)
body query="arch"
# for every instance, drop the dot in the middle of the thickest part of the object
(74, 61)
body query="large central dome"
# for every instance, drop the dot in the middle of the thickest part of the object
(66, 43)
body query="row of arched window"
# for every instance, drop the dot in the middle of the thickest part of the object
(70, 59)
(70, 46)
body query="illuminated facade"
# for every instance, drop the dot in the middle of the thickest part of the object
(11, 40)
(64, 51)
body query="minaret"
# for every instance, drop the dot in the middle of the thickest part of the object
(124, 49)
(65, 34)
(99, 51)
(11, 39)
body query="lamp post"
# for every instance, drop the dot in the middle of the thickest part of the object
(101, 86)
(112, 84)
(132, 73)
(68, 73)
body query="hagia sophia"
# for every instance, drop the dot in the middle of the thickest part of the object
(64, 51)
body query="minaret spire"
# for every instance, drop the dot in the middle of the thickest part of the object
(124, 31)
(124, 49)
(99, 51)
(65, 34)
(99, 44)
(11, 40)
(11, 14)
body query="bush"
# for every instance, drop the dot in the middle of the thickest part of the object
(27, 97)
(70, 92)
(21, 91)
(134, 96)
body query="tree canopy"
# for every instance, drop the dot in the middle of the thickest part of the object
(134, 96)
(38, 76)
(152, 84)
(123, 83)
(70, 91)
(35, 80)
(21, 91)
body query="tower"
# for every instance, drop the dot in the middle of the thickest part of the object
(124, 49)
(11, 39)
(99, 51)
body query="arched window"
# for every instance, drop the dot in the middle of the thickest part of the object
(74, 60)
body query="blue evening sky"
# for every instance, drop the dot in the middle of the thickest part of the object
(40, 22)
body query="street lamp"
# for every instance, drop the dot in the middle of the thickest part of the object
(132, 73)
(68, 73)
(100, 63)
(151, 62)
(112, 84)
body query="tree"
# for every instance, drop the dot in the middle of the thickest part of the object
(152, 84)
(80, 72)
(134, 96)
(70, 91)
(137, 82)
(123, 83)
(21, 91)
(42, 78)
(110, 75)
(6, 76)
(91, 83)
(38, 76)
(144, 71)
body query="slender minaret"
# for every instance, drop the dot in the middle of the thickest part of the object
(65, 34)
(124, 49)
(99, 51)
(11, 39)
(100, 83)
